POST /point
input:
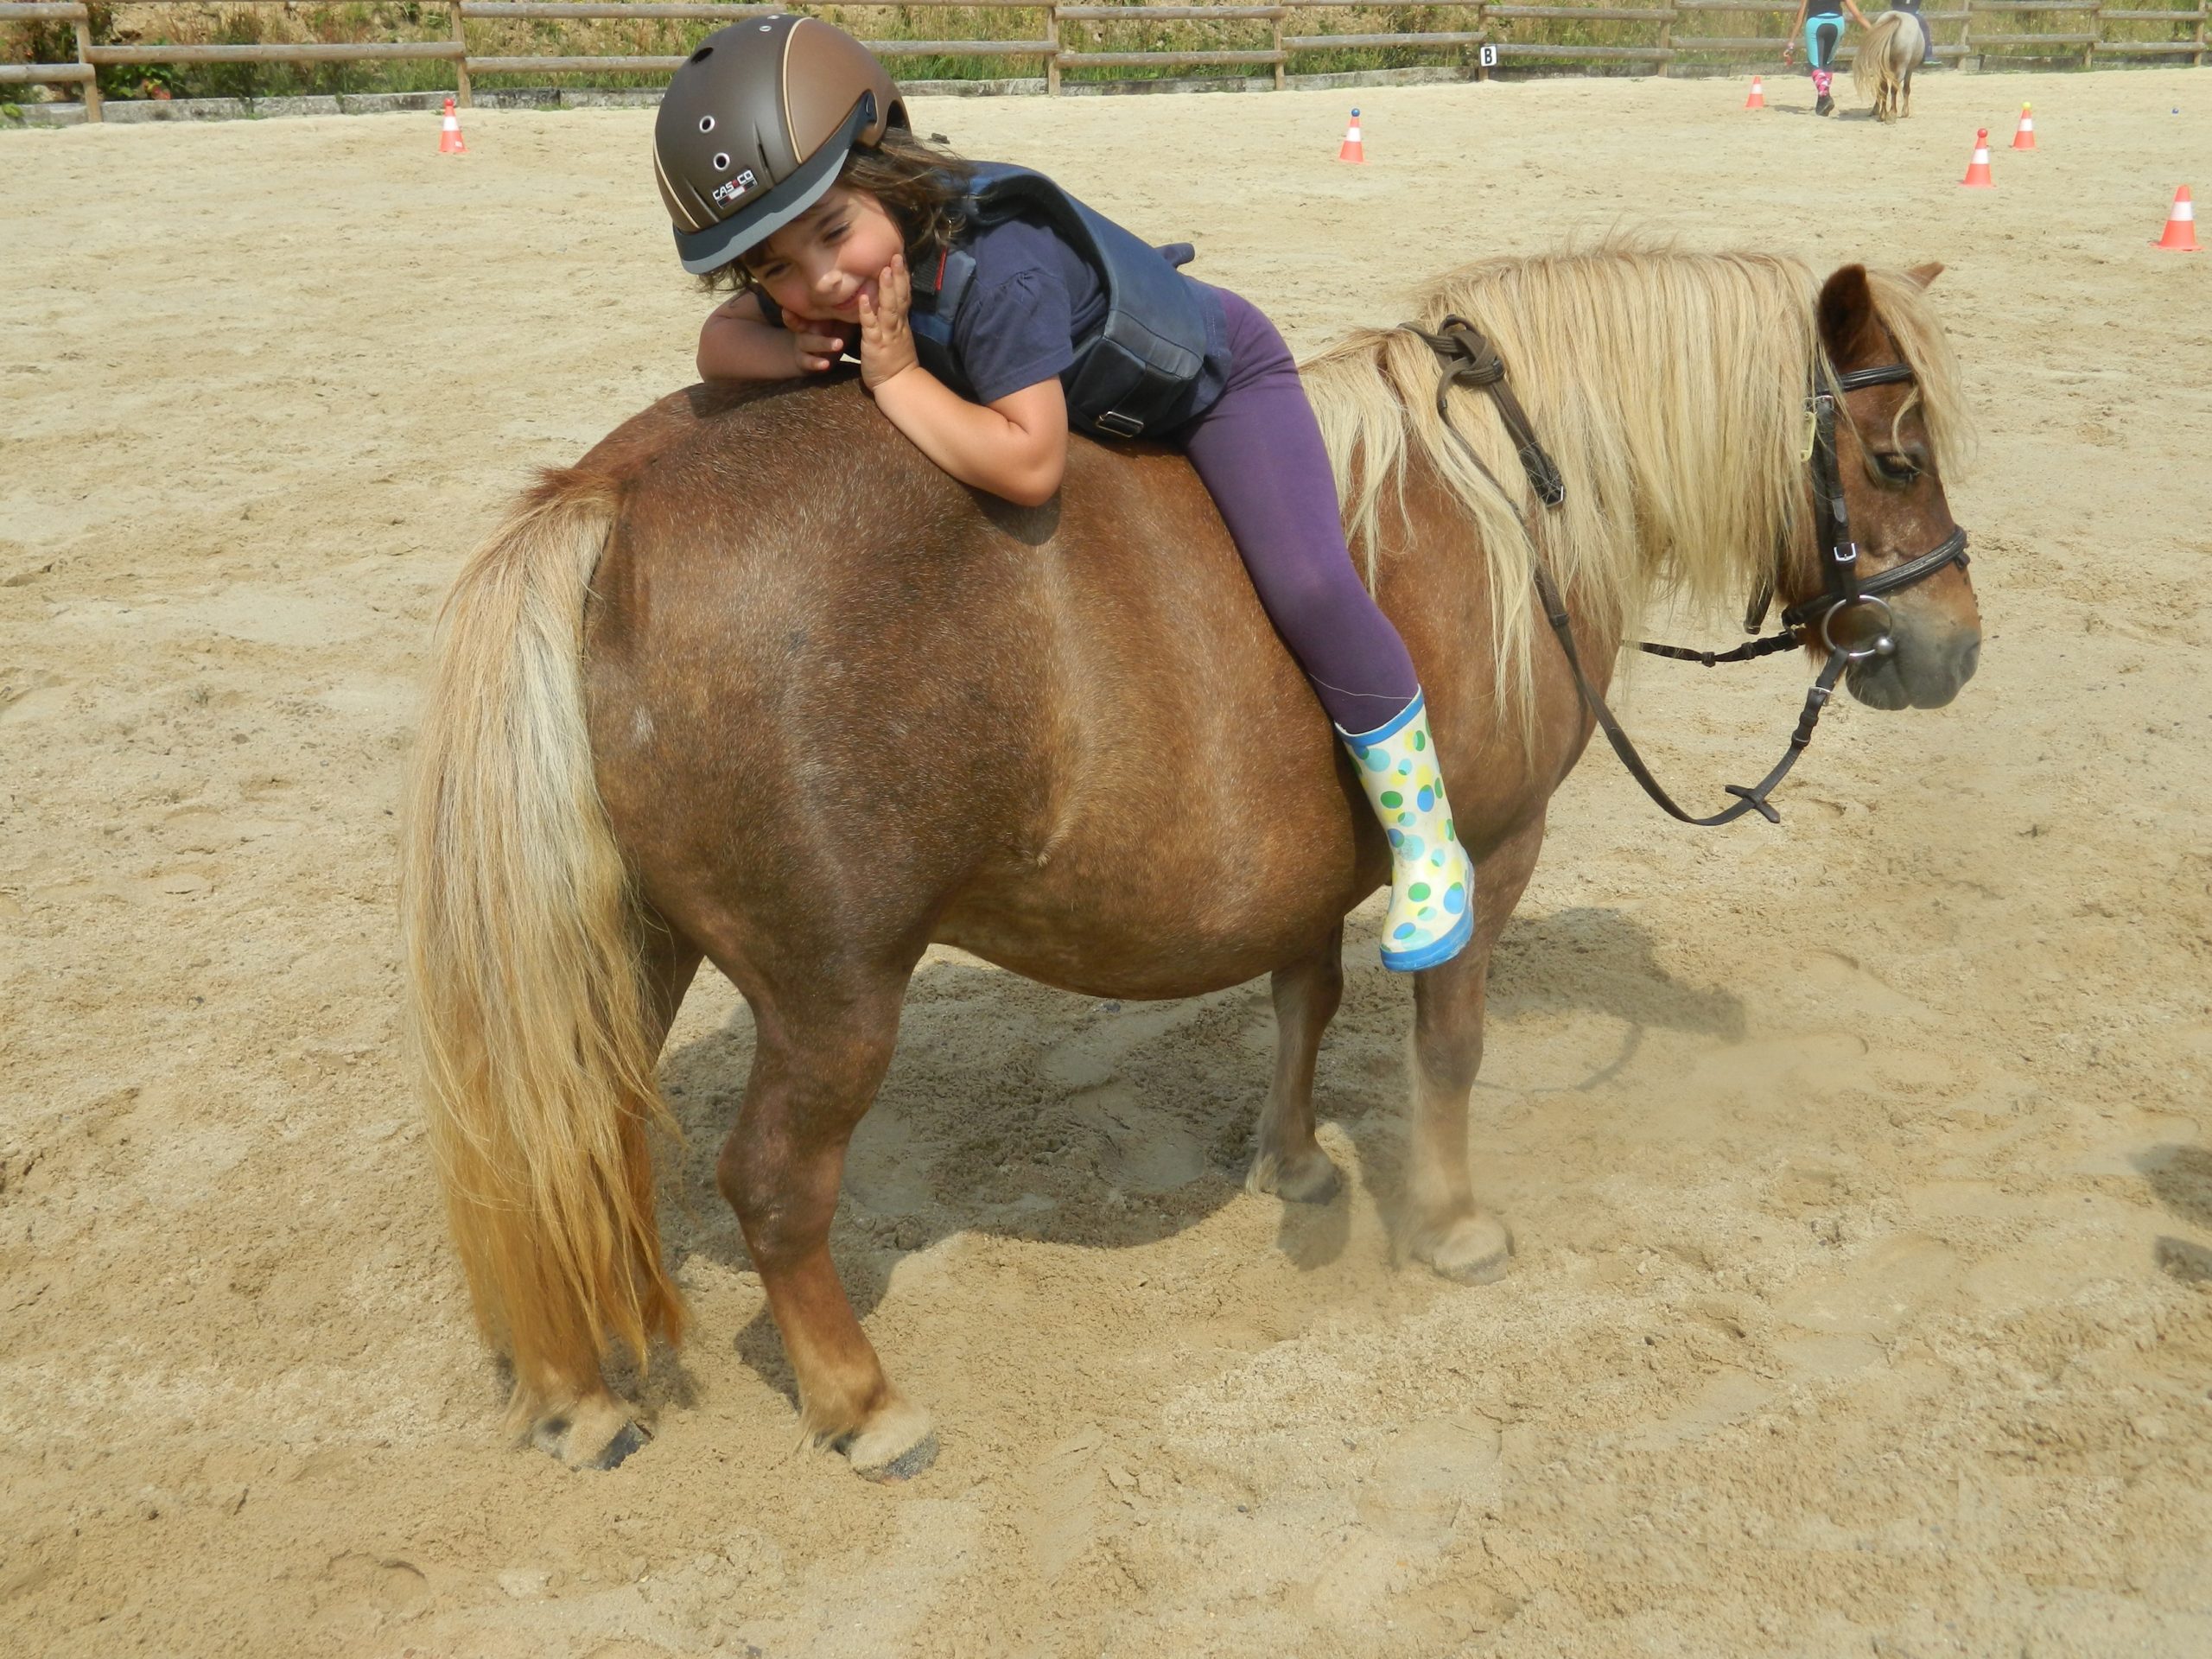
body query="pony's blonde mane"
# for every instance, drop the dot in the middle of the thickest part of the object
(1670, 387)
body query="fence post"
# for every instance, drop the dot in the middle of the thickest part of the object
(1274, 34)
(1666, 41)
(1481, 28)
(2198, 60)
(461, 64)
(2089, 52)
(92, 88)
(1052, 63)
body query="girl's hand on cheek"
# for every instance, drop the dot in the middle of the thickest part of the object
(886, 344)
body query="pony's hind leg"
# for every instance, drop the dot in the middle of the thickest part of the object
(1288, 1160)
(815, 1072)
(1446, 1228)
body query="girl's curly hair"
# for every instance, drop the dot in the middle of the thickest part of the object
(921, 185)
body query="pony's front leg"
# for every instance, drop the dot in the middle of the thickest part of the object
(1287, 1160)
(815, 1073)
(1447, 1228)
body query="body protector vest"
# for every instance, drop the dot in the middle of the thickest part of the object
(1131, 375)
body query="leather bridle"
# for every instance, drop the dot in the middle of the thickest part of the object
(1849, 616)
(1846, 597)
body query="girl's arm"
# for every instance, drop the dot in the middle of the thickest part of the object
(1797, 29)
(739, 343)
(1857, 15)
(1016, 447)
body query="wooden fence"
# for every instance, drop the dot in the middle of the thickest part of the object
(1500, 34)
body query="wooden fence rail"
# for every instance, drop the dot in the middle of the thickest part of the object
(1502, 33)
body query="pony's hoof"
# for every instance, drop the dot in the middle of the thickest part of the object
(1312, 1178)
(593, 1434)
(897, 1446)
(630, 1438)
(1473, 1250)
(904, 1466)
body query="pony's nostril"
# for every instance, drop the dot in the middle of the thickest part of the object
(1969, 658)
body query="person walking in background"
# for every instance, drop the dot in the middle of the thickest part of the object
(1823, 30)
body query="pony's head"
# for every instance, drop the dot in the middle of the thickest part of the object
(1894, 442)
(1670, 388)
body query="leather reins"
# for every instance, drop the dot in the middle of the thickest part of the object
(1846, 598)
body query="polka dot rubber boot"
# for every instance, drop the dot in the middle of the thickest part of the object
(1432, 879)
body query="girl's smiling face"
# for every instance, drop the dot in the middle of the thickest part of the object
(817, 266)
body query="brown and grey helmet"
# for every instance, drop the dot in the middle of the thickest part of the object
(755, 126)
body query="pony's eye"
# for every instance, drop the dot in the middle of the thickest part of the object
(1896, 468)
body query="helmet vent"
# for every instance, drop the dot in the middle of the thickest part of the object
(706, 123)
(702, 55)
(721, 161)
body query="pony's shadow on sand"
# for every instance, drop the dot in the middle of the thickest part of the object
(1016, 1110)
(2180, 1178)
(1807, 113)
(1600, 963)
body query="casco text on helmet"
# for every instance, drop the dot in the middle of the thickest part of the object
(754, 127)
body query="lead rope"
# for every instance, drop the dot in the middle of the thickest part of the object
(1469, 359)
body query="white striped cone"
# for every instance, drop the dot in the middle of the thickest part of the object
(1351, 149)
(2181, 225)
(1977, 176)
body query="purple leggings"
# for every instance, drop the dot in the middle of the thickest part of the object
(1258, 451)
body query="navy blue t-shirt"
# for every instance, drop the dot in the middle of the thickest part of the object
(1032, 298)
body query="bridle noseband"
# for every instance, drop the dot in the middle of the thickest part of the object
(1849, 616)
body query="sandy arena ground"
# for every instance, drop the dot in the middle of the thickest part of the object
(1860, 1168)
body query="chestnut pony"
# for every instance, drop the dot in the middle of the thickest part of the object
(754, 682)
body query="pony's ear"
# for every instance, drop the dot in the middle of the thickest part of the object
(1849, 328)
(1923, 274)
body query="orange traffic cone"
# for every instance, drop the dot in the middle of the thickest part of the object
(1977, 176)
(2024, 136)
(1351, 149)
(2181, 225)
(449, 142)
(1757, 100)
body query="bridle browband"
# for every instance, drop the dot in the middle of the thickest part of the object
(1848, 616)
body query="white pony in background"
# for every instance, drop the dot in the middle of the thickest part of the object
(1882, 71)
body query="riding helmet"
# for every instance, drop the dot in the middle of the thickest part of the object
(756, 124)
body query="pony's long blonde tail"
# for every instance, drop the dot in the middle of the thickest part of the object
(528, 1012)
